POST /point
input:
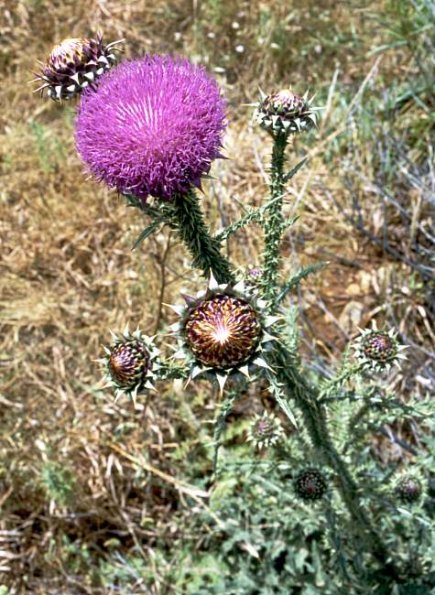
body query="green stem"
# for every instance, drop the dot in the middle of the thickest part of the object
(274, 224)
(193, 231)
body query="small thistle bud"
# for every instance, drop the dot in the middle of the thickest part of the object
(130, 363)
(310, 484)
(409, 490)
(378, 350)
(75, 64)
(253, 276)
(284, 113)
(265, 430)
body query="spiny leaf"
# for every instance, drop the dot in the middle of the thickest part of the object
(303, 273)
(295, 170)
(150, 229)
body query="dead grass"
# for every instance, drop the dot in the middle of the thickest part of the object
(81, 477)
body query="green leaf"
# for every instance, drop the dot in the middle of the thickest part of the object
(149, 230)
(295, 170)
(303, 273)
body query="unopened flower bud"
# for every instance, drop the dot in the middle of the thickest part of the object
(310, 484)
(285, 112)
(265, 430)
(75, 64)
(378, 350)
(409, 490)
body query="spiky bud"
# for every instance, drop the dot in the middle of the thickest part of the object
(285, 112)
(265, 430)
(222, 331)
(75, 64)
(310, 484)
(409, 490)
(253, 276)
(378, 350)
(130, 363)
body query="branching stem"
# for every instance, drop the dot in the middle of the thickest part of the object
(206, 255)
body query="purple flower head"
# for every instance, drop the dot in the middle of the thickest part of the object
(152, 127)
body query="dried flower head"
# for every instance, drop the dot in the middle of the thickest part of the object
(310, 484)
(378, 350)
(265, 430)
(131, 363)
(409, 490)
(223, 331)
(153, 127)
(75, 64)
(285, 113)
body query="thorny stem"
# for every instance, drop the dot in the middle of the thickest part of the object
(195, 234)
(193, 231)
(274, 223)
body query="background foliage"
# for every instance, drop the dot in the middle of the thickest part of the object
(98, 497)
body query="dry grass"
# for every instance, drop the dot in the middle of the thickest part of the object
(81, 477)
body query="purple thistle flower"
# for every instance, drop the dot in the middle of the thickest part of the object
(152, 127)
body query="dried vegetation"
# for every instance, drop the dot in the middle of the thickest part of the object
(83, 481)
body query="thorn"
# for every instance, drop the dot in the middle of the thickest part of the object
(270, 320)
(262, 363)
(196, 371)
(267, 337)
(75, 78)
(239, 287)
(221, 381)
(262, 94)
(245, 371)
(189, 299)
(177, 308)
(212, 284)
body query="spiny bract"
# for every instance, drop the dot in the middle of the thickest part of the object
(131, 363)
(223, 331)
(75, 64)
(284, 112)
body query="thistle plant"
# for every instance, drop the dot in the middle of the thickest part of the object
(151, 128)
